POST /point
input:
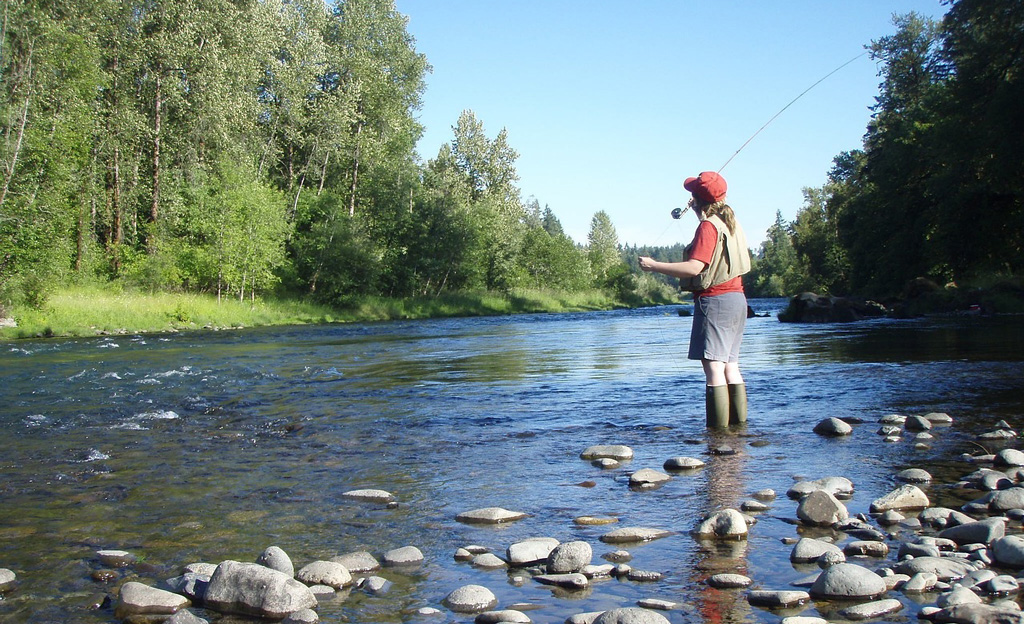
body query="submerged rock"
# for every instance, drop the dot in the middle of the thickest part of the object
(490, 515)
(647, 477)
(683, 463)
(370, 496)
(139, 599)
(617, 452)
(833, 427)
(634, 534)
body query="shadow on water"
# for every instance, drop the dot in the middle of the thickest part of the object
(214, 445)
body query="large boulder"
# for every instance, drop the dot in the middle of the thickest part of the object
(809, 307)
(253, 589)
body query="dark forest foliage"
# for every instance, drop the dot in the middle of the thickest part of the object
(937, 191)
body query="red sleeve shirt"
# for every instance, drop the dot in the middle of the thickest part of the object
(703, 247)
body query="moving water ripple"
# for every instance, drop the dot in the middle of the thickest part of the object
(208, 446)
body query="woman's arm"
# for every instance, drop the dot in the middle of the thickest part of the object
(689, 268)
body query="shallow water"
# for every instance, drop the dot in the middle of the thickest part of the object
(208, 446)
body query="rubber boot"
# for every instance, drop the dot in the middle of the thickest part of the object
(737, 404)
(716, 402)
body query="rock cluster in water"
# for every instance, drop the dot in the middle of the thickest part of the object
(963, 563)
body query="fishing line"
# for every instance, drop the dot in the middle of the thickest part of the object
(822, 79)
(677, 213)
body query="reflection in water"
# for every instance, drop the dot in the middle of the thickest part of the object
(725, 486)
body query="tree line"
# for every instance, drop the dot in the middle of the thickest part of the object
(241, 146)
(937, 189)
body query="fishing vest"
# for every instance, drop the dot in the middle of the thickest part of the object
(730, 259)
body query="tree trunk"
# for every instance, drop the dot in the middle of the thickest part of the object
(154, 210)
(355, 174)
(12, 166)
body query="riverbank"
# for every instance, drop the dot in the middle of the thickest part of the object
(82, 311)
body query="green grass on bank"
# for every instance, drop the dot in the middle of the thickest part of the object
(85, 311)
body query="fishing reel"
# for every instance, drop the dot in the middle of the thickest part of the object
(677, 213)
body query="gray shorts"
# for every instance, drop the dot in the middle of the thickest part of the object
(717, 330)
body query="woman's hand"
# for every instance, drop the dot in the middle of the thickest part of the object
(646, 263)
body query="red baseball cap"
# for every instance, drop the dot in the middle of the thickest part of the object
(708, 186)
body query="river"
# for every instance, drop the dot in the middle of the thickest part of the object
(206, 446)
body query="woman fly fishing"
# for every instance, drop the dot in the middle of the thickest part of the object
(712, 267)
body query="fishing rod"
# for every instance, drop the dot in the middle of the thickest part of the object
(783, 109)
(677, 213)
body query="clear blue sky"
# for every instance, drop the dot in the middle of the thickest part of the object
(611, 105)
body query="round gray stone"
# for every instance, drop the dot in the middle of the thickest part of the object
(631, 615)
(569, 557)
(808, 550)
(328, 573)
(276, 559)
(848, 581)
(404, 556)
(724, 524)
(683, 463)
(833, 427)
(470, 599)
(1009, 551)
(820, 508)
(647, 477)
